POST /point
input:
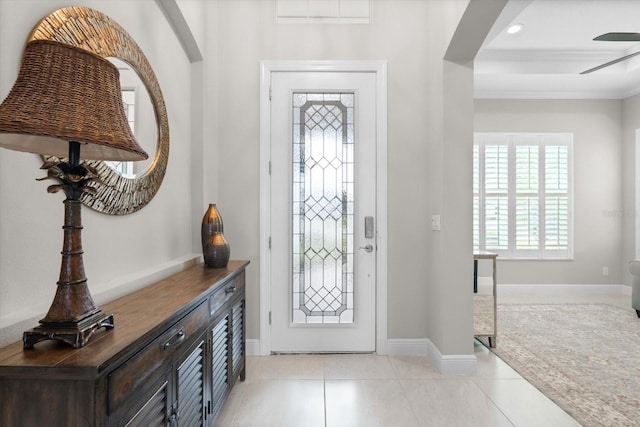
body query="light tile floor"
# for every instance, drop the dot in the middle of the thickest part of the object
(389, 391)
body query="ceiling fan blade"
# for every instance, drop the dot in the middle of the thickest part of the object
(619, 37)
(606, 64)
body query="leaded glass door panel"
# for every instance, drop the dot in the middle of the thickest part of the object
(322, 188)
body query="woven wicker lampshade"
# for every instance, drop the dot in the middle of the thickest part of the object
(62, 94)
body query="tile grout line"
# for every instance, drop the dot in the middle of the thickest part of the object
(474, 382)
(324, 388)
(406, 397)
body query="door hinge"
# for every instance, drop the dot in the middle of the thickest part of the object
(269, 317)
(270, 92)
(269, 168)
(269, 242)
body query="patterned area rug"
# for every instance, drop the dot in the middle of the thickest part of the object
(584, 357)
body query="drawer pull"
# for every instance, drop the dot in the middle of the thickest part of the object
(175, 340)
(230, 290)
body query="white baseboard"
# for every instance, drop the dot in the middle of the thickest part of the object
(465, 364)
(559, 289)
(252, 347)
(408, 347)
(454, 364)
(485, 287)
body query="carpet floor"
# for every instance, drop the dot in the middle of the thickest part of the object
(584, 357)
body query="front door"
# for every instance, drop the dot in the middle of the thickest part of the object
(323, 212)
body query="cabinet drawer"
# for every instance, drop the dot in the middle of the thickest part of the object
(140, 368)
(226, 292)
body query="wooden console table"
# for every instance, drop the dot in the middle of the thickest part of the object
(177, 348)
(492, 335)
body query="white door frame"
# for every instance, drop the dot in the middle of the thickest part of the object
(380, 70)
(637, 196)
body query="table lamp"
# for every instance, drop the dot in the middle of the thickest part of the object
(67, 102)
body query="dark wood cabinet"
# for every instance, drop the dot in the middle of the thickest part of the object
(177, 349)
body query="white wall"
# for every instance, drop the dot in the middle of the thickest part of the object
(120, 251)
(597, 160)
(629, 214)
(412, 35)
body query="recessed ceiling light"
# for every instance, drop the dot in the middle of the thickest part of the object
(515, 28)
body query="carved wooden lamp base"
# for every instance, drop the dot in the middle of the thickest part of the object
(73, 316)
(75, 334)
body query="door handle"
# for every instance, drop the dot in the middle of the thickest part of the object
(175, 340)
(368, 248)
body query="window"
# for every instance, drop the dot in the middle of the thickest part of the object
(323, 11)
(323, 204)
(129, 103)
(522, 194)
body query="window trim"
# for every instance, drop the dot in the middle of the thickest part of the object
(511, 140)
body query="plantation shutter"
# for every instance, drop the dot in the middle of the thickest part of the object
(522, 194)
(476, 197)
(527, 225)
(556, 197)
(496, 187)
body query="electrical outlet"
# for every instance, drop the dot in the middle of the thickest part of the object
(605, 271)
(435, 222)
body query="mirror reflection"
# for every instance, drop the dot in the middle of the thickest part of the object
(141, 116)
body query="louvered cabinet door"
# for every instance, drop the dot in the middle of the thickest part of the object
(220, 346)
(190, 387)
(155, 411)
(237, 338)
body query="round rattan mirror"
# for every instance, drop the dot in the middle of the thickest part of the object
(92, 30)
